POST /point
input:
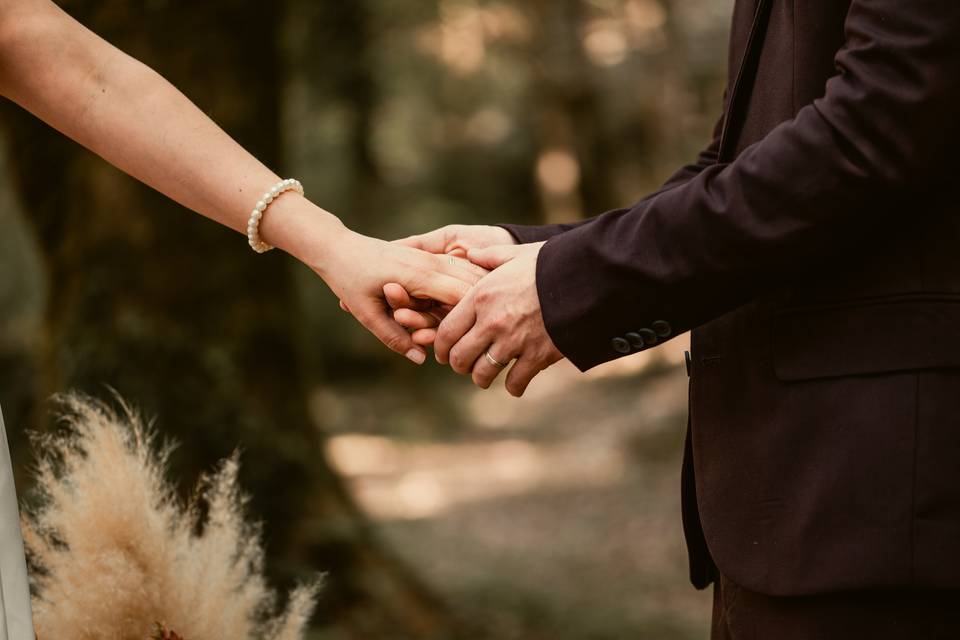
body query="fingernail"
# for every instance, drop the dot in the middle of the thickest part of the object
(416, 356)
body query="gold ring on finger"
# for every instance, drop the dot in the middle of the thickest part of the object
(494, 361)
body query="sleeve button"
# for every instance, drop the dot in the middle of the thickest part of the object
(620, 345)
(649, 337)
(636, 340)
(662, 328)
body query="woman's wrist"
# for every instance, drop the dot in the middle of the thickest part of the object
(300, 228)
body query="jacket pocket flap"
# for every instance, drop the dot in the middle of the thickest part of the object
(867, 337)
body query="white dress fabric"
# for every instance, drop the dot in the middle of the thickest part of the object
(16, 622)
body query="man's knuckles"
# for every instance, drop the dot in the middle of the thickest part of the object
(446, 337)
(483, 294)
(459, 361)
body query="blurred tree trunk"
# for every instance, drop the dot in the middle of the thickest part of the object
(356, 87)
(569, 116)
(334, 55)
(182, 319)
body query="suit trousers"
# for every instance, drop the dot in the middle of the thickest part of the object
(740, 614)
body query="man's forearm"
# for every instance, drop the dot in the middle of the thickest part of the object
(885, 125)
(526, 234)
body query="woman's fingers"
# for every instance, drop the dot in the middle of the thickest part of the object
(370, 271)
(375, 318)
(419, 286)
(459, 267)
(440, 287)
(398, 298)
(435, 279)
(443, 278)
(414, 320)
(424, 337)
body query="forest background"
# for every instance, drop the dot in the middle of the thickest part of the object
(436, 510)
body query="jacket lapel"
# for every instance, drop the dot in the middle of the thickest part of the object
(743, 85)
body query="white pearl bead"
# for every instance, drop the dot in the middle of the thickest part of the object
(253, 224)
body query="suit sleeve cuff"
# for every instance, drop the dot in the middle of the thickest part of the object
(528, 234)
(592, 314)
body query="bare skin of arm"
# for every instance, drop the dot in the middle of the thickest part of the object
(132, 117)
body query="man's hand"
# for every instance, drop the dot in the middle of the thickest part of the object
(458, 239)
(500, 316)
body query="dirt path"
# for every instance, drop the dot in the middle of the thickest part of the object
(553, 517)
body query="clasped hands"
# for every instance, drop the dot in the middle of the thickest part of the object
(497, 321)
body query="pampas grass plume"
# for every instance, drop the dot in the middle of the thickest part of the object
(117, 553)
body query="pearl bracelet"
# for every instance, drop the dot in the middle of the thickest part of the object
(253, 226)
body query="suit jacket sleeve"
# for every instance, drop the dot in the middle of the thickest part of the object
(524, 234)
(736, 230)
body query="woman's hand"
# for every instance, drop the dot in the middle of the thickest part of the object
(357, 268)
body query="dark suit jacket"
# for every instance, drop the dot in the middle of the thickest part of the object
(814, 249)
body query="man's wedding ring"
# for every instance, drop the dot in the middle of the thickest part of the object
(494, 361)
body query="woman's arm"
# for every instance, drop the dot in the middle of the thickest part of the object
(128, 114)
